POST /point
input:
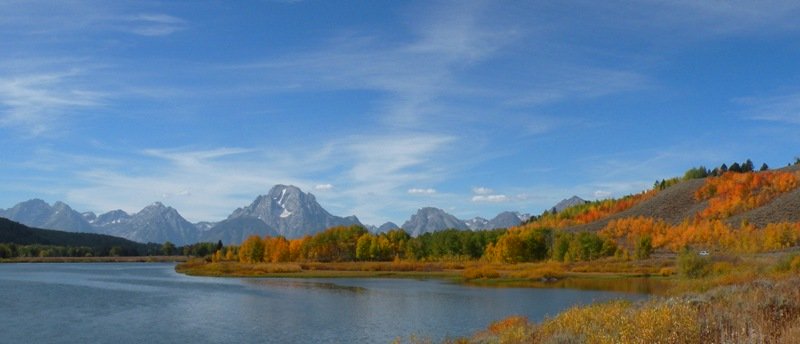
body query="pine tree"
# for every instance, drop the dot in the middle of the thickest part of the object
(764, 167)
(747, 166)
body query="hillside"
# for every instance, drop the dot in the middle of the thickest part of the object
(672, 205)
(15, 233)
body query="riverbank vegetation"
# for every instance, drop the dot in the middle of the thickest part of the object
(764, 310)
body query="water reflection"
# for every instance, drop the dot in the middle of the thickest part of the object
(637, 285)
(299, 284)
(150, 303)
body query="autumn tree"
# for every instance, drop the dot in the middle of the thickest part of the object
(276, 249)
(252, 250)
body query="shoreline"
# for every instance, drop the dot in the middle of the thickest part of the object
(136, 259)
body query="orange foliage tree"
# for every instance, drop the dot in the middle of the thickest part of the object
(734, 193)
(589, 212)
(706, 233)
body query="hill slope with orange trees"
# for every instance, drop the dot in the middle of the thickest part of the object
(758, 198)
(734, 211)
(671, 205)
(741, 212)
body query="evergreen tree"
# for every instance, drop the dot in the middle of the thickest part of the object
(747, 166)
(735, 168)
(764, 167)
(723, 169)
(168, 248)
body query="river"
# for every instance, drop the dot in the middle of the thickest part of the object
(150, 303)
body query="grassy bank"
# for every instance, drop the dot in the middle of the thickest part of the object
(142, 259)
(657, 275)
(764, 310)
(321, 270)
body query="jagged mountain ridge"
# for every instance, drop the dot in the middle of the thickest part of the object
(38, 213)
(285, 210)
(291, 213)
(430, 219)
(154, 223)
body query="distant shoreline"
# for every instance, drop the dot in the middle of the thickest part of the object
(137, 259)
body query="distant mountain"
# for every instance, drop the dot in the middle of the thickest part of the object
(204, 226)
(111, 218)
(235, 230)
(431, 219)
(477, 223)
(38, 213)
(569, 202)
(505, 219)
(387, 227)
(291, 212)
(89, 216)
(155, 223)
(14, 232)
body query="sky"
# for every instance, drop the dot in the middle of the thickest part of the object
(380, 108)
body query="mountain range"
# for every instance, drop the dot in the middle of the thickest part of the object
(285, 210)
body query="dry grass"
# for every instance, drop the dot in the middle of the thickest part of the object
(482, 272)
(384, 266)
(759, 311)
(315, 269)
(202, 268)
(542, 271)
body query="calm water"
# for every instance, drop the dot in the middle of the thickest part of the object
(150, 303)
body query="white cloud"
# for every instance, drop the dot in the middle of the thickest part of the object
(561, 81)
(782, 108)
(480, 190)
(490, 198)
(414, 75)
(421, 191)
(153, 24)
(367, 172)
(602, 194)
(323, 187)
(35, 103)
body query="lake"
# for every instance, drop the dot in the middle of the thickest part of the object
(150, 303)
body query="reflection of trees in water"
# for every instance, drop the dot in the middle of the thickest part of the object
(309, 285)
(638, 285)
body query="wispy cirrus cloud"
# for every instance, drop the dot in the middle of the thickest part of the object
(35, 103)
(152, 24)
(490, 198)
(413, 76)
(323, 187)
(422, 191)
(206, 184)
(781, 108)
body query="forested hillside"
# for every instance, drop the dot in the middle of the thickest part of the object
(20, 240)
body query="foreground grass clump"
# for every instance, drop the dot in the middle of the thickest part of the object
(760, 311)
(481, 271)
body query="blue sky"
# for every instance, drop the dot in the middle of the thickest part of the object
(382, 107)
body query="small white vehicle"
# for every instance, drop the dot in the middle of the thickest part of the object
(703, 253)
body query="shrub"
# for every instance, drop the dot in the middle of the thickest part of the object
(692, 265)
(644, 247)
(480, 272)
(666, 272)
